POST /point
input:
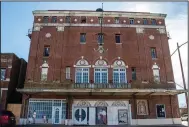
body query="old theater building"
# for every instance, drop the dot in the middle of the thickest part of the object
(100, 68)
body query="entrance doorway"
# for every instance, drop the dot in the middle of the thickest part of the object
(56, 115)
(101, 115)
(80, 116)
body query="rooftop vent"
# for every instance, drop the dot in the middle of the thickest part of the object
(99, 9)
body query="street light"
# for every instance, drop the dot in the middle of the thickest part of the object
(183, 78)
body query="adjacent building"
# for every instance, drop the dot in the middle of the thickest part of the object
(100, 68)
(13, 70)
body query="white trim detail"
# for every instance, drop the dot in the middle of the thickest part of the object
(2, 90)
(139, 30)
(94, 13)
(165, 121)
(37, 25)
(170, 82)
(82, 66)
(7, 79)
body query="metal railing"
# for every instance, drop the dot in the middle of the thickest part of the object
(102, 85)
(69, 85)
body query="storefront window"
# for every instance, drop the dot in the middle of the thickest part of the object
(45, 108)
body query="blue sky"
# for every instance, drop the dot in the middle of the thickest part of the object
(17, 18)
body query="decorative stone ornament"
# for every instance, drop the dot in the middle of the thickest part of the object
(119, 63)
(61, 20)
(101, 62)
(36, 28)
(161, 30)
(91, 20)
(48, 35)
(139, 30)
(138, 21)
(75, 20)
(124, 21)
(151, 37)
(108, 20)
(39, 19)
(101, 49)
(160, 22)
(60, 28)
(82, 62)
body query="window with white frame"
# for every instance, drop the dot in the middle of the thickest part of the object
(119, 75)
(3, 72)
(160, 110)
(101, 75)
(44, 71)
(82, 75)
(67, 72)
(119, 71)
(156, 73)
(44, 107)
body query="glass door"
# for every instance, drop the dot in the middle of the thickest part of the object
(56, 115)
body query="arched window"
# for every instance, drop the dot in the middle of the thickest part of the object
(156, 75)
(82, 71)
(119, 72)
(101, 71)
(44, 71)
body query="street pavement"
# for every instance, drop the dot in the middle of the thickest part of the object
(101, 126)
(184, 124)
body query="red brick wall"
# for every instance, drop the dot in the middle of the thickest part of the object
(65, 49)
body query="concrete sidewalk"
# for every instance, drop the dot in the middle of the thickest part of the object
(39, 125)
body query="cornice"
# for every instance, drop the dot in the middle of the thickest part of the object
(98, 14)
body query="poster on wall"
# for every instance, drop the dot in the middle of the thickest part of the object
(101, 115)
(122, 116)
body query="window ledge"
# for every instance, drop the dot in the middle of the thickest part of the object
(82, 43)
(118, 43)
(154, 58)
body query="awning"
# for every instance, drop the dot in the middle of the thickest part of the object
(103, 91)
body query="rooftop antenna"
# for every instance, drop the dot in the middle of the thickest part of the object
(100, 45)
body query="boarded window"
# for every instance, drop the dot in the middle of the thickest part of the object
(67, 72)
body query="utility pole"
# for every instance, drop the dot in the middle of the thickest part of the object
(183, 78)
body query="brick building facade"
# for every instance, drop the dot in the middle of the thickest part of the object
(126, 79)
(13, 70)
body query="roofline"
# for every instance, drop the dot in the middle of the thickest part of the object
(82, 11)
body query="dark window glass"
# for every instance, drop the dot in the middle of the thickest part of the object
(116, 20)
(46, 51)
(54, 19)
(83, 20)
(83, 37)
(153, 22)
(45, 19)
(3, 72)
(153, 53)
(145, 22)
(131, 21)
(160, 109)
(117, 38)
(133, 73)
(100, 38)
(68, 19)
